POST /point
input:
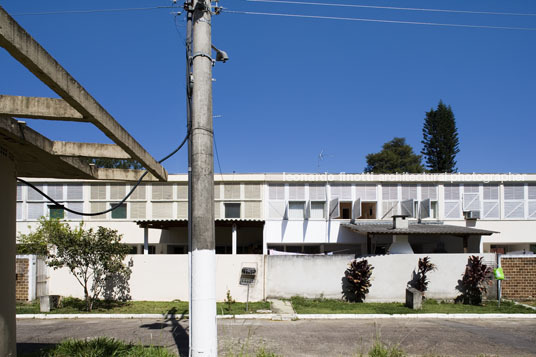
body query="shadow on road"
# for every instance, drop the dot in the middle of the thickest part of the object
(33, 349)
(179, 333)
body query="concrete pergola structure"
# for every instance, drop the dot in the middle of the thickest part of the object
(26, 153)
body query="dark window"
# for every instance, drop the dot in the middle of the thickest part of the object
(56, 212)
(120, 212)
(133, 249)
(232, 210)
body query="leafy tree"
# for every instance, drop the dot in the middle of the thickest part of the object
(473, 284)
(94, 258)
(356, 281)
(440, 139)
(396, 156)
(115, 163)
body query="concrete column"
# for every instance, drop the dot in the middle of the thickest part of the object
(203, 327)
(234, 237)
(145, 241)
(8, 212)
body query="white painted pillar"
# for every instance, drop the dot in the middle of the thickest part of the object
(8, 217)
(234, 237)
(145, 241)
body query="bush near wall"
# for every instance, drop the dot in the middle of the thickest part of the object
(520, 277)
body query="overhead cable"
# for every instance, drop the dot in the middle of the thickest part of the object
(66, 12)
(394, 8)
(380, 21)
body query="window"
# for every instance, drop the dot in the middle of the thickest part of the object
(345, 209)
(137, 210)
(162, 210)
(232, 210)
(252, 191)
(231, 191)
(119, 212)
(56, 212)
(19, 192)
(98, 192)
(162, 192)
(117, 191)
(342, 192)
(33, 195)
(452, 201)
(35, 210)
(531, 214)
(75, 206)
(75, 192)
(409, 192)
(366, 192)
(296, 192)
(276, 192)
(471, 198)
(182, 192)
(318, 210)
(252, 209)
(182, 210)
(317, 192)
(98, 207)
(490, 202)
(514, 201)
(296, 210)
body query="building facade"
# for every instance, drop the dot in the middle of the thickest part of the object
(306, 213)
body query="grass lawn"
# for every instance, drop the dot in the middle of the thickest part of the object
(77, 306)
(327, 306)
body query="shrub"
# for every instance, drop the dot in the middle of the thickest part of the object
(356, 281)
(425, 266)
(229, 301)
(474, 281)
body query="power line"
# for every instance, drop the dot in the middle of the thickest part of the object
(65, 12)
(380, 21)
(394, 8)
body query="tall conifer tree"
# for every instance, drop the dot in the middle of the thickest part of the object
(440, 139)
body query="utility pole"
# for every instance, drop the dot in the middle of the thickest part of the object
(203, 328)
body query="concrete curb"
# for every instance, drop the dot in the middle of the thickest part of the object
(283, 317)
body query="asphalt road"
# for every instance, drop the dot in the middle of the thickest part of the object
(432, 337)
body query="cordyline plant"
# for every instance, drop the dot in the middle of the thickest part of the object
(425, 266)
(474, 281)
(94, 258)
(356, 282)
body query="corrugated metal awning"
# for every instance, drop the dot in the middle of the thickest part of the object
(416, 228)
(183, 222)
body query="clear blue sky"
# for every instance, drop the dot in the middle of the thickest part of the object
(297, 86)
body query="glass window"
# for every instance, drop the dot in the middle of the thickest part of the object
(119, 212)
(317, 210)
(232, 210)
(56, 212)
(296, 210)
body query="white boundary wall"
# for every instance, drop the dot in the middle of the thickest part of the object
(165, 277)
(315, 276)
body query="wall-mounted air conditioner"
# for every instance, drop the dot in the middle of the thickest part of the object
(471, 214)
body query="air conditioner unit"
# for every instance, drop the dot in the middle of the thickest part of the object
(471, 214)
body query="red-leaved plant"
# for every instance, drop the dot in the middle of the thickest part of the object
(473, 284)
(356, 282)
(425, 266)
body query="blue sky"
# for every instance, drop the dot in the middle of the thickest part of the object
(295, 87)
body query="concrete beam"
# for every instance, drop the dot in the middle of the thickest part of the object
(66, 148)
(34, 156)
(34, 57)
(38, 108)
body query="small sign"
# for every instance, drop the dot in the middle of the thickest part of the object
(498, 273)
(247, 275)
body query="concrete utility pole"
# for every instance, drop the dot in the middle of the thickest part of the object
(203, 328)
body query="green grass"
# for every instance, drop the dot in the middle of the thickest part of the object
(328, 306)
(77, 306)
(103, 347)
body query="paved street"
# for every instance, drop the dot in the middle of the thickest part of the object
(464, 337)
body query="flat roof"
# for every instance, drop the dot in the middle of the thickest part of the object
(415, 229)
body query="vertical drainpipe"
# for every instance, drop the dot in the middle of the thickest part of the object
(234, 237)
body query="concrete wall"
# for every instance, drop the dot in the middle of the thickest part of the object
(313, 276)
(165, 277)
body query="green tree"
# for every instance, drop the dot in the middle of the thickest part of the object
(94, 258)
(440, 139)
(396, 156)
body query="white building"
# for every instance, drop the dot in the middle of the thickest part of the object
(309, 213)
